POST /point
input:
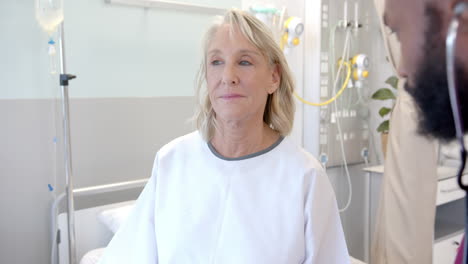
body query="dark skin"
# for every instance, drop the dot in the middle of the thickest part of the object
(421, 26)
(408, 21)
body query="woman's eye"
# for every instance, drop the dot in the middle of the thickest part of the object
(245, 63)
(215, 62)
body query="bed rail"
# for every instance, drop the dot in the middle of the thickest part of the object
(109, 187)
(87, 191)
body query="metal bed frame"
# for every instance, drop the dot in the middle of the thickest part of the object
(84, 192)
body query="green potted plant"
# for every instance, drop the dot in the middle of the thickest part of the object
(384, 94)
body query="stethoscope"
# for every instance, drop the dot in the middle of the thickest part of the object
(450, 43)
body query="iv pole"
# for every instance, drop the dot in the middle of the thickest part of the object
(64, 78)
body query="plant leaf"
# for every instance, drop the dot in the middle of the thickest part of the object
(384, 126)
(383, 94)
(393, 82)
(384, 111)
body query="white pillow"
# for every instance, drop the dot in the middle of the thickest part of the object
(93, 256)
(114, 218)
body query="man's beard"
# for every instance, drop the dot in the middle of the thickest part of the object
(430, 89)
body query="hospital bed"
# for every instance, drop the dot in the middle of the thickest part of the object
(94, 229)
(95, 226)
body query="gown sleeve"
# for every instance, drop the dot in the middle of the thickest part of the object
(324, 237)
(135, 241)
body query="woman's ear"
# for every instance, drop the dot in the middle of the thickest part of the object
(276, 78)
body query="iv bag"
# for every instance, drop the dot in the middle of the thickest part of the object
(49, 14)
(270, 16)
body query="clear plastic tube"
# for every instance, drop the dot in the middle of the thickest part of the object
(345, 56)
(52, 51)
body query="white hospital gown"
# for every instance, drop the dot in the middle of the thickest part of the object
(274, 207)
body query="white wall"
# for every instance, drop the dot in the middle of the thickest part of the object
(124, 51)
(23, 53)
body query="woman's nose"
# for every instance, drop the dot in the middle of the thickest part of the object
(230, 76)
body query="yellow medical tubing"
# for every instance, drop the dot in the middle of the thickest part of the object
(345, 84)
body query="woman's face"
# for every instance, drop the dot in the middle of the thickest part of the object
(238, 76)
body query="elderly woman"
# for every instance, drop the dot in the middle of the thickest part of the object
(237, 190)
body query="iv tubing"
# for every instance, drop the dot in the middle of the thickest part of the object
(332, 57)
(329, 101)
(348, 177)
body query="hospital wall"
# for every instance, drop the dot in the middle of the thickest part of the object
(134, 93)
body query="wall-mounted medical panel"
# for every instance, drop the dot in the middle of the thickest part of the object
(344, 124)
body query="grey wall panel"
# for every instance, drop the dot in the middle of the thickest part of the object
(112, 140)
(26, 163)
(117, 139)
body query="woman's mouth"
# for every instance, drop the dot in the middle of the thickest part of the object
(231, 96)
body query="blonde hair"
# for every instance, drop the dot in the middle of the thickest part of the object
(279, 108)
